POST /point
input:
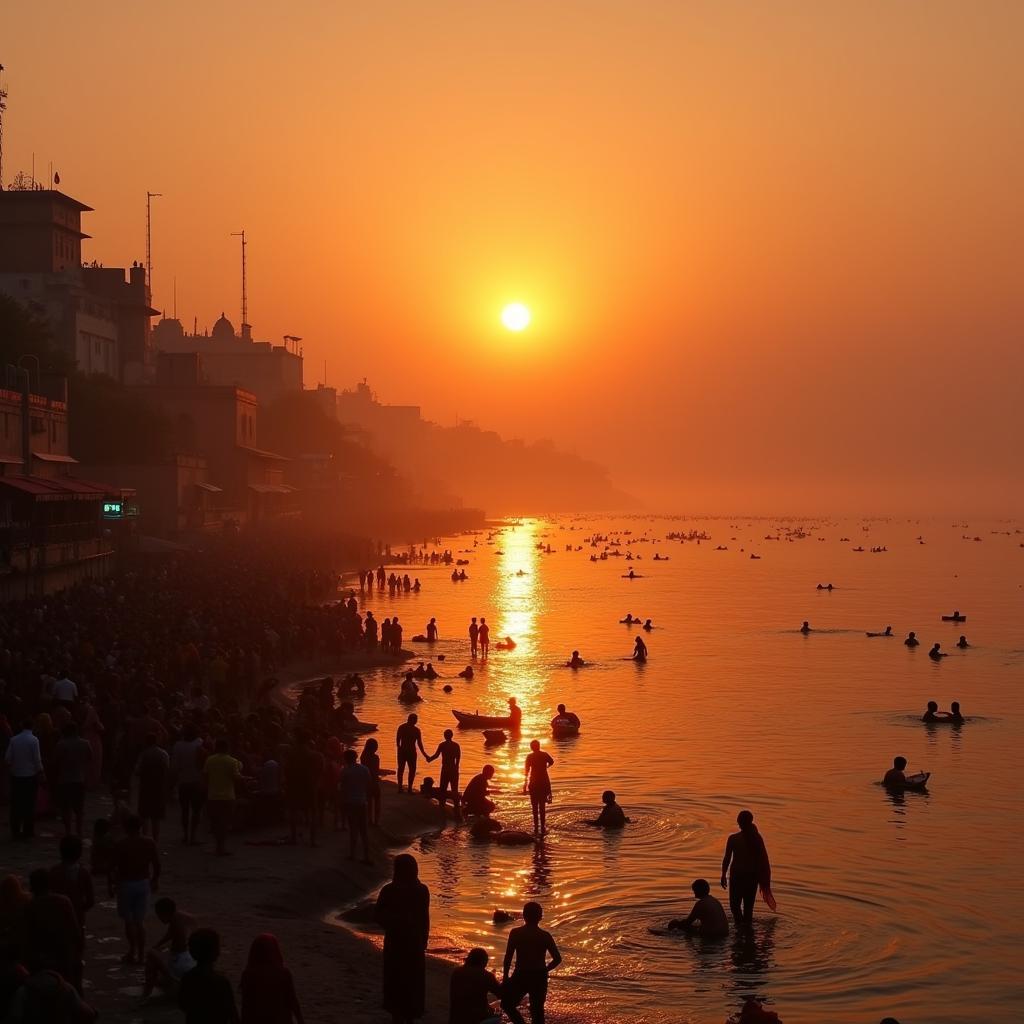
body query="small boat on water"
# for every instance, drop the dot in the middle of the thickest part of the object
(954, 618)
(474, 721)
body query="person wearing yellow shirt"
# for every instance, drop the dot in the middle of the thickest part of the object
(221, 772)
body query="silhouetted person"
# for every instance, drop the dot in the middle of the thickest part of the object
(407, 739)
(474, 799)
(565, 717)
(612, 815)
(805, 628)
(53, 937)
(962, 643)
(152, 770)
(911, 640)
(25, 764)
(538, 784)
(354, 785)
(639, 649)
(166, 971)
(474, 634)
(895, 777)
(432, 631)
(707, 915)
(575, 661)
(954, 712)
(930, 714)
(205, 996)
(302, 773)
(746, 862)
(71, 759)
(268, 988)
(935, 654)
(451, 756)
(469, 988)
(70, 879)
(484, 637)
(515, 714)
(135, 874)
(529, 947)
(403, 908)
(370, 760)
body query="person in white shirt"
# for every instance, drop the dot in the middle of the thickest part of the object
(26, 767)
(65, 690)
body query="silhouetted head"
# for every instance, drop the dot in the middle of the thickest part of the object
(473, 619)
(350, 756)
(488, 771)
(561, 709)
(911, 635)
(406, 869)
(532, 913)
(204, 946)
(371, 746)
(165, 908)
(955, 707)
(70, 849)
(476, 958)
(700, 888)
(932, 706)
(265, 952)
(535, 745)
(448, 734)
(608, 796)
(745, 819)
(511, 702)
(412, 719)
(899, 763)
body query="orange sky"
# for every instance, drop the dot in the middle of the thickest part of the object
(773, 252)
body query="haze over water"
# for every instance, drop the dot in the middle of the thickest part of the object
(887, 904)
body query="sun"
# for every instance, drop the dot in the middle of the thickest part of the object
(515, 316)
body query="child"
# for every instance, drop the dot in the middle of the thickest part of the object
(205, 996)
(612, 815)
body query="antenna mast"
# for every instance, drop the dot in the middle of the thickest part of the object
(150, 196)
(245, 294)
(3, 107)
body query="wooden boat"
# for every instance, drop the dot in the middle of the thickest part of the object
(954, 618)
(473, 721)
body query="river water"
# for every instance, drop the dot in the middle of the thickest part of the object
(909, 906)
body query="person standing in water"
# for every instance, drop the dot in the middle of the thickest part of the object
(707, 916)
(484, 636)
(407, 739)
(538, 784)
(451, 754)
(748, 868)
(529, 946)
(474, 633)
(639, 650)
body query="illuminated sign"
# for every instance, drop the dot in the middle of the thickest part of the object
(113, 510)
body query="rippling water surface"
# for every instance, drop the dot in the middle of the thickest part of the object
(908, 906)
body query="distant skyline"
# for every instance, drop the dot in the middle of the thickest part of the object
(771, 253)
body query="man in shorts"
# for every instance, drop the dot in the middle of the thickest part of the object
(529, 946)
(134, 875)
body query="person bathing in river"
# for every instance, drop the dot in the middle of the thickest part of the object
(748, 868)
(407, 739)
(935, 653)
(962, 643)
(955, 714)
(639, 649)
(931, 714)
(484, 638)
(515, 714)
(451, 756)
(805, 628)
(538, 784)
(707, 916)
(612, 815)
(432, 631)
(474, 798)
(895, 777)
(565, 718)
(575, 661)
(911, 640)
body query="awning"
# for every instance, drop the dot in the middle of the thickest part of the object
(50, 457)
(34, 487)
(10, 460)
(210, 488)
(271, 488)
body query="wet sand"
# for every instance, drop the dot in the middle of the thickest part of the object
(287, 890)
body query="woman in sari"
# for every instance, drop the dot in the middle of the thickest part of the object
(403, 908)
(748, 868)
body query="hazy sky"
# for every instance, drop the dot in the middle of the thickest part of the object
(773, 251)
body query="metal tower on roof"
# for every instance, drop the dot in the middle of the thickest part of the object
(150, 196)
(245, 293)
(3, 107)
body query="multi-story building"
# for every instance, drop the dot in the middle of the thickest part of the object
(98, 316)
(268, 371)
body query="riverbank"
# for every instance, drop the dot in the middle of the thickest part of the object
(264, 886)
